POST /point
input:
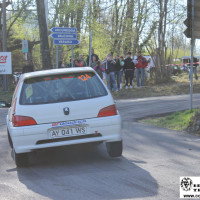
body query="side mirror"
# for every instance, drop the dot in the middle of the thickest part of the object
(8, 105)
(3, 104)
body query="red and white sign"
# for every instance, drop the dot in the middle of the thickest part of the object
(5, 63)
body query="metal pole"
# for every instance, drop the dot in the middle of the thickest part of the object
(56, 56)
(5, 87)
(26, 56)
(72, 61)
(191, 74)
(192, 50)
(90, 48)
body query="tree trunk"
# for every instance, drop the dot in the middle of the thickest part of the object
(44, 45)
(129, 26)
(80, 9)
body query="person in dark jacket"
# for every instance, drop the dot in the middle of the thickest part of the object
(110, 72)
(129, 68)
(28, 67)
(92, 54)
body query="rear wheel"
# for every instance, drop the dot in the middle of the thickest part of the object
(21, 159)
(9, 139)
(114, 149)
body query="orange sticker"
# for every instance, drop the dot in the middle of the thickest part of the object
(84, 77)
(87, 76)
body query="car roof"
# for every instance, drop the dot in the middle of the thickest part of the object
(56, 71)
(188, 57)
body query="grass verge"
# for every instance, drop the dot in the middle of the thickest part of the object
(175, 121)
(178, 85)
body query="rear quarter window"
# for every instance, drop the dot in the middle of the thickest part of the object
(61, 88)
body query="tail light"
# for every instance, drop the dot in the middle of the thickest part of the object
(18, 120)
(108, 111)
(15, 101)
(23, 121)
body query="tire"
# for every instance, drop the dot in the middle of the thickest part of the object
(9, 139)
(21, 159)
(114, 149)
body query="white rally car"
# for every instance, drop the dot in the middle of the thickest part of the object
(61, 107)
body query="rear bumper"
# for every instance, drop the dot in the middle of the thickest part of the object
(26, 139)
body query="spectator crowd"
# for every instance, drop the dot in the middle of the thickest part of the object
(112, 69)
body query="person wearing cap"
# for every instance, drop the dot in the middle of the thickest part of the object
(140, 65)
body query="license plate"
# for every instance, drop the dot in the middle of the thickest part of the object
(65, 132)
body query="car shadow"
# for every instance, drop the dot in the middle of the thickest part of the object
(85, 172)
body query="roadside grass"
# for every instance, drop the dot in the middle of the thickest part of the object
(178, 85)
(175, 121)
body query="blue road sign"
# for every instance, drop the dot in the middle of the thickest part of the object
(65, 41)
(63, 30)
(63, 36)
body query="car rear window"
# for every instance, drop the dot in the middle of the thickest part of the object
(61, 88)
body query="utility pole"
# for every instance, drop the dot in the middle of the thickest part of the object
(5, 87)
(90, 48)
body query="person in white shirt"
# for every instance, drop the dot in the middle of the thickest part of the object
(152, 64)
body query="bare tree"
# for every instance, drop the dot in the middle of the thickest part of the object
(44, 44)
(163, 12)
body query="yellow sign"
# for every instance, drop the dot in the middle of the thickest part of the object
(29, 91)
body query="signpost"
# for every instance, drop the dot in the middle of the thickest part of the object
(67, 42)
(193, 19)
(63, 30)
(25, 48)
(193, 31)
(64, 36)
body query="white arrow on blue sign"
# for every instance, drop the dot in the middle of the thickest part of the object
(63, 36)
(63, 30)
(67, 42)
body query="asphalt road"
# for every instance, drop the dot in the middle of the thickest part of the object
(132, 109)
(153, 161)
